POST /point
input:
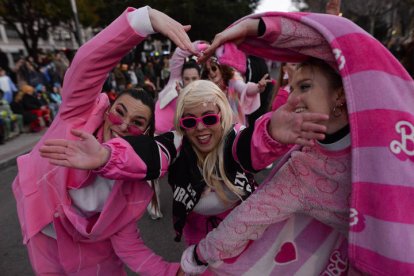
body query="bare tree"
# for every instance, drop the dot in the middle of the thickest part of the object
(32, 19)
(370, 13)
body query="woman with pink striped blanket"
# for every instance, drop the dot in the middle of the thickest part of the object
(372, 176)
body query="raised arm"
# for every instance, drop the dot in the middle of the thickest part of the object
(274, 36)
(236, 33)
(134, 157)
(88, 71)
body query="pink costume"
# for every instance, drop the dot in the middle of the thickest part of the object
(98, 245)
(380, 100)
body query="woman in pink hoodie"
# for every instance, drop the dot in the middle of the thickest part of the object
(345, 204)
(75, 222)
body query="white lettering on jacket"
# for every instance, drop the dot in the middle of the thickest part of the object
(406, 130)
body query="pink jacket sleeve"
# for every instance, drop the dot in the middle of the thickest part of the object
(130, 248)
(92, 63)
(125, 164)
(277, 42)
(265, 149)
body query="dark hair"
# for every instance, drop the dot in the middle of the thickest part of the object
(146, 98)
(226, 72)
(190, 65)
(334, 78)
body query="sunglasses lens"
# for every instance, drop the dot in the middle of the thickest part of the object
(210, 120)
(134, 130)
(213, 68)
(188, 122)
(115, 119)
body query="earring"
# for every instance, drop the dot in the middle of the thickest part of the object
(337, 110)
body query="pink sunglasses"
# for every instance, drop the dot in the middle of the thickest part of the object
(117, 120)
(191, 122)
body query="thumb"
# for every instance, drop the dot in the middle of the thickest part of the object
(291, 104)
(80, 133)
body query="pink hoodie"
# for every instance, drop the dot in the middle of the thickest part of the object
(380, 101)
(40, 188)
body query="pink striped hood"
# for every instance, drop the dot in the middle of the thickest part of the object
(380, 99)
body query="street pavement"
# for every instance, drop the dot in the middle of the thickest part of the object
(157, 234)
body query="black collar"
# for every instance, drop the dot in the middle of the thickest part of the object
(334, 137)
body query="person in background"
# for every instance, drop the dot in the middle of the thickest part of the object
(7, 85)
(225, 69)
(29, 118)
(256, 68)
(31, 102)
(282, 88)
(182, 72)
(13, 123)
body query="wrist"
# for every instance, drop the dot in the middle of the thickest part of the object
(104, 154)
(196, 257)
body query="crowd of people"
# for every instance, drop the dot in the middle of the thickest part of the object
(340, 116)
(30, 93)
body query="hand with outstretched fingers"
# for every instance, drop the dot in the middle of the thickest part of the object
(86, 153)
(288, 127)
(263, 82)
(172, 29)
(236, 33)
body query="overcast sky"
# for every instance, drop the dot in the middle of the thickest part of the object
(274, 5)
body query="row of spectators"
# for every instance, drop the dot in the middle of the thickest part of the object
(30, 93)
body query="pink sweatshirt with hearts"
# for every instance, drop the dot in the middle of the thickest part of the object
(380, 100)
(315, 181)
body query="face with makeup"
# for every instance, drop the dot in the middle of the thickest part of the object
(214, 73)
(314, 91)
(127, 116)
(207, 132)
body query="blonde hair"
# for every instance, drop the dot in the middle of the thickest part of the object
(213, 169)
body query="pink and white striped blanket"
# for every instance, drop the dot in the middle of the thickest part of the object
(380, 100)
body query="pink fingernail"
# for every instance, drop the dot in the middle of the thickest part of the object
(273, 81)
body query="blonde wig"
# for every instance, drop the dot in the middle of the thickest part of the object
(213, 169)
